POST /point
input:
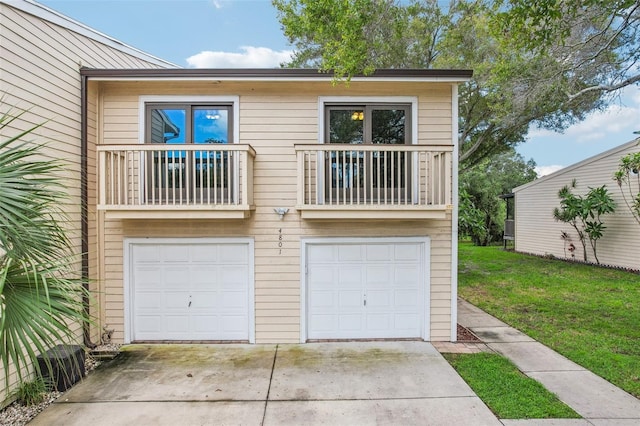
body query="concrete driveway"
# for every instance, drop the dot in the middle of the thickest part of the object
(325, 383)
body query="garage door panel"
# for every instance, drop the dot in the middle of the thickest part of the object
(234, 325)
(175, 253)
(148, 300)
(407, 252)
(379, 322)
(379, 252)
(148, 277)
(350, 322)
(232, 276)
(323, 299)
(147, 253)
(184, 291)
(233, 299)
(174, 300)
(176, 323)
(208, 300)
(150, 323)
(379, 299)
(406, 321)
(234, 254)
(406, 275)
(321, 253)
(367, 290)
(379, 275)
(405, 298)
(350, 299)
(350, 253)
(349, 276)
(201, 275)
(205, 254)
(174, 276)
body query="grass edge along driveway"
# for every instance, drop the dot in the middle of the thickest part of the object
(587, 313)
(508, 393)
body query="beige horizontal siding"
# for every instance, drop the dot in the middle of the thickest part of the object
(273, 117)
(538, 233)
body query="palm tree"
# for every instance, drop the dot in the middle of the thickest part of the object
(40, 294)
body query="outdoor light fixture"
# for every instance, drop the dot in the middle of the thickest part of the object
(281, 211)
(357, 116)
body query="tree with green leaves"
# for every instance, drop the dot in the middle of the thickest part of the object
(583, 34)
(584, 214)
(482, 212)
(628, 179)
(40, 298)
(514, 86)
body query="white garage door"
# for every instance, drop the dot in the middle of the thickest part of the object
(189, 290)
(366, 290)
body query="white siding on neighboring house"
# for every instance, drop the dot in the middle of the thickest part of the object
(538, 233)
(41, 53)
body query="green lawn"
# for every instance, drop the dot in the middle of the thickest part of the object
(506, 391)
(589, 314)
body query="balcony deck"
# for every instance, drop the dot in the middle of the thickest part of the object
(345, 181)
(170, 181)
(334, 181)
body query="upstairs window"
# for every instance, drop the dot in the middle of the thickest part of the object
(188, 123)
(368, 124)
(190, 174)
(367, 174)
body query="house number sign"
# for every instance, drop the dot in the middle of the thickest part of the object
(280, 241)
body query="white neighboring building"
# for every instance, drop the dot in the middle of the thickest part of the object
(536, 231)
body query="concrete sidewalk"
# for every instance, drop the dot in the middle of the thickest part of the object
(595, 399)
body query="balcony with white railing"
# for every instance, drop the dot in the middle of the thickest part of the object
(168, 181)
(346, 181)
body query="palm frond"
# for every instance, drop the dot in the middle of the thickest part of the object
(40, 305)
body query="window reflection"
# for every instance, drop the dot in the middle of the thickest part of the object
(343, 128)
(167, 125)
(188, 124)
(210, 125)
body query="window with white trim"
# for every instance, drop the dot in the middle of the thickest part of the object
(186, 173)
(367, 174)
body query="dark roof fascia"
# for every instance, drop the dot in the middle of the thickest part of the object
(270, 74)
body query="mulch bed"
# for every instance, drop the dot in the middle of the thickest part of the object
(465, 335)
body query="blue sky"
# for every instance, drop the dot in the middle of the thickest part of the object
(246, 33)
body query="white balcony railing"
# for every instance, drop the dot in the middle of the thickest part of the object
(396, 181)
(175, 180)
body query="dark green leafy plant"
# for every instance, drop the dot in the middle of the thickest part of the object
(584, 214)
(470, 219)
(628, 178)
(40, 294)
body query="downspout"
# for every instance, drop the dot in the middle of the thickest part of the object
(454, 213)
(84, 211)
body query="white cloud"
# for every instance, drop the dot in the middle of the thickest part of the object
(601, 124)
(250, 57)
(547, 170)
(217, 4)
